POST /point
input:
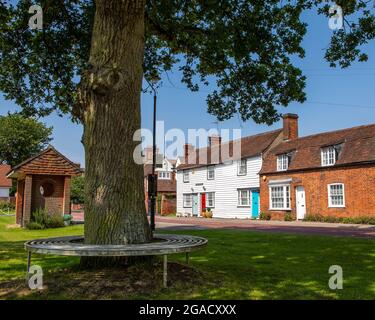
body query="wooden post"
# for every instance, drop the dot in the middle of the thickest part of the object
(165, 270)
(187, 257)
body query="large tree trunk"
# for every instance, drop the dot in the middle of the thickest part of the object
(114, 204)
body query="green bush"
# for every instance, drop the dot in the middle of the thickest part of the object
(55, 221)
(265, 216)
(7, 206)
(34, 226)
(77, 191)
(333, 219)
(40, 216)
(288, 217)
(41, 220)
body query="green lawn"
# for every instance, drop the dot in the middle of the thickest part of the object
(235, 265)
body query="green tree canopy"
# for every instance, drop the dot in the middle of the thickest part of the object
(21, 138)
(77, 191)
(245, 45)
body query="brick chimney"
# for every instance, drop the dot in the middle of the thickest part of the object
(214, 140)
(290, 126)
(189, 153)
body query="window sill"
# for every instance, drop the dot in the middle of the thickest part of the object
(243, 206)
(336, 206)
(280, 209)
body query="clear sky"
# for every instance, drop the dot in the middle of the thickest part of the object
(335, 99)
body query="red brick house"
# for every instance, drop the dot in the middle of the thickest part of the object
(43, 181)
(330, 174)
(166, 184)
(5, 183)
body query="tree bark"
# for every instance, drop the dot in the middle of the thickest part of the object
(110, 91)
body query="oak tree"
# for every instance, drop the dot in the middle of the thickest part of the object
(91, 57)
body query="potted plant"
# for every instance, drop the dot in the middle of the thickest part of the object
(208, 213)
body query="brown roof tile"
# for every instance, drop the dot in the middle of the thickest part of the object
(4, 181)
(49, 161)
(358, 147)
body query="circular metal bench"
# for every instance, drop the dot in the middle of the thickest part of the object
(163, 244)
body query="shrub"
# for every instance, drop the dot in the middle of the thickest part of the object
(40, 216)
(34, 226)
(265, 216)
(55, 221)
(288, 217)
(313, 217)
(333, 219)
(7, 206)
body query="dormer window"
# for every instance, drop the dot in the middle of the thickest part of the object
(328, 156)
(282, 162)
(164, 175)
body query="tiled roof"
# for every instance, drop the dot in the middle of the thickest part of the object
(4, 181)
(250, 146)
(358, 146)
(49, 161)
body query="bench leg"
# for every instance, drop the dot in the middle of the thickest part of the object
(165, 270)
(187, 257)
(28, 261)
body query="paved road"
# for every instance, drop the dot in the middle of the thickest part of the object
(311, 228)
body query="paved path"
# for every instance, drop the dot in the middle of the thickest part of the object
(311, 228)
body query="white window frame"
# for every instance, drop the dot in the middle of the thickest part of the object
(328, 156)
(164, 175)
(239, 198)
(282, 162)
(239, 165)
(285, 196)
(186, 203)
(211, 169)
(208, 205)
(330, 205)
(185, 176)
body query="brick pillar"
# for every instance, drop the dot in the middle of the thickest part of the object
(66, 199)
(27, 200)
(19, 200)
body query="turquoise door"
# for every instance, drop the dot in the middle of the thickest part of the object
(255, 204)
(195, 205)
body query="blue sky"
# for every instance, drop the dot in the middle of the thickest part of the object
(335, 99)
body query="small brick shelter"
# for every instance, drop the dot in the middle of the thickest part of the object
(43, 181)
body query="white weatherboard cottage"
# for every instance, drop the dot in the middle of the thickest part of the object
(229, 188)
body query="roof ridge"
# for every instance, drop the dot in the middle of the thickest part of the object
(330, 132)
(250, 136)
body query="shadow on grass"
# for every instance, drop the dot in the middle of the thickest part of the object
(235, 265)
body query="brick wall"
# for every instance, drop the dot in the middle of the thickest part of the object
(19, 201)
(54, 203)
(168, 204)
(359, 191)
(27, 199)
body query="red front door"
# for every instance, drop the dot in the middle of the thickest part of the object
(203, 202)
